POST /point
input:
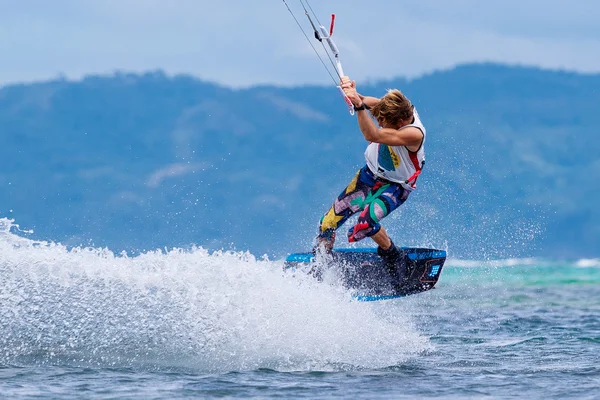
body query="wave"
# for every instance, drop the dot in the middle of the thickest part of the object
(219, 311)
(588, 263)
(523, 262)
(509, 262)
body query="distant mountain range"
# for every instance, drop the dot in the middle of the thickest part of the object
(137, 162)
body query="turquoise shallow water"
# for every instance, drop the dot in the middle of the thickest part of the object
(77, 323)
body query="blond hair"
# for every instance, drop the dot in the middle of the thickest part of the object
(393, 107)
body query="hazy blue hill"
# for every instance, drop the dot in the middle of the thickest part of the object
(143, 161)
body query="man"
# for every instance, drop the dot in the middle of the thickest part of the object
(394, 158)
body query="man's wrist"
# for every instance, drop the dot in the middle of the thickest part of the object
(363, 106)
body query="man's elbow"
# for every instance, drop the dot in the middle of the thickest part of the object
(371, 136)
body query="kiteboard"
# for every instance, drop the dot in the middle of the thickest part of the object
(364, 273)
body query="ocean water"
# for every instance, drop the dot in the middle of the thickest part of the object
(88, 323)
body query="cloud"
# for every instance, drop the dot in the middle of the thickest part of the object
(241, 43)
(297, 109)
(172, 171)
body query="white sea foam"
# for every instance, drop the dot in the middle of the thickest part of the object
(588, 263)
(186, 308)
(507, 262)
(522, 262)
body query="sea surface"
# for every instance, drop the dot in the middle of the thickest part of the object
(87, 323)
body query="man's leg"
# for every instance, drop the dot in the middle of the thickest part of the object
(387, 249)
(346, 204)
(382, 239)
(325, 241)
(383, 201)
(380, 202)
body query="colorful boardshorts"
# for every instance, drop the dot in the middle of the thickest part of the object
(374, 197)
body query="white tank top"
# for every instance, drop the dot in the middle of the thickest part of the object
(397, 163)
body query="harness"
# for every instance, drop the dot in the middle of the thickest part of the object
(412, 181)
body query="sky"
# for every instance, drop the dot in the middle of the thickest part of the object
(241, 43)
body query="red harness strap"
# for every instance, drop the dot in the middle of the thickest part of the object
(412, 181)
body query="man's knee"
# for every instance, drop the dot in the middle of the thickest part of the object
(329, 221)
